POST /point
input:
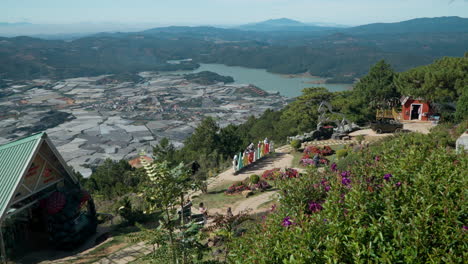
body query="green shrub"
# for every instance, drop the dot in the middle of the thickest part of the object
(350, 159)
(461, 128)
(296, 144)
(254, 178)
(441, 135)
(128, 212)
(341, 153)
(403, 201)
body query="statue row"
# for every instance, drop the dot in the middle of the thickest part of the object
(252, 153)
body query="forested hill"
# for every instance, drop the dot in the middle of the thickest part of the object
(343, 54)
(418, 25)
(283, 24)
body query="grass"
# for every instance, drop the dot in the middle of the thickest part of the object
(297, 155)
(215, 198)
(119, 241)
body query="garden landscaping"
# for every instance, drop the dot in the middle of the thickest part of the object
(401, 200)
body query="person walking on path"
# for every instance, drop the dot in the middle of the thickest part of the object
(203, 211)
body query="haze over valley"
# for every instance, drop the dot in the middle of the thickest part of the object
(222, 131)
(62, 77)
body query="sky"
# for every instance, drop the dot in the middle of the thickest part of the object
(224, 12)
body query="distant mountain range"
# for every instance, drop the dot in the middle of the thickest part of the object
(418, 25)
(283, 24)
(5, 24)
(278, 45)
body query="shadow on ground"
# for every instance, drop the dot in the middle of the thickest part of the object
(52, 254)
(263, 163)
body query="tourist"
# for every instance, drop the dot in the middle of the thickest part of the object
(229, 212)
(203, 211)
(316, 159)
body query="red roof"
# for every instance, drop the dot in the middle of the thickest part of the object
(136, 162)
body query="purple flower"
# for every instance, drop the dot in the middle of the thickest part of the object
(286, 221)
(398, 184)
(306, 162)
(333, 167)
(377, 158)
(387, 176)
(342, 196)
(327, 188)
(345, 174)
(273, 208)
(315, 207)
(465, 228)
(345, 181)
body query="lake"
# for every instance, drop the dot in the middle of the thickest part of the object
(284, 84)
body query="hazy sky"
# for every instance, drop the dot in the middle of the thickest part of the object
(218, 12)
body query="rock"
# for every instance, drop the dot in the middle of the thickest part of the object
(247, 193)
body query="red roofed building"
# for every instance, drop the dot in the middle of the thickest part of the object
(415, 109)
(136, 162)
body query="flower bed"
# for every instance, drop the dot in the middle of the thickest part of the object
(396, 196)
(272, 174)
(237, 188)
(277, 173)
(306, 161)
(261, 185)
(325, 151)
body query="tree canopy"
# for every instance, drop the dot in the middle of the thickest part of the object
(442, 81)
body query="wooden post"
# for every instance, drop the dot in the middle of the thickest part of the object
(3, 257)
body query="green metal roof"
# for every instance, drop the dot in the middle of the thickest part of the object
(14, 160)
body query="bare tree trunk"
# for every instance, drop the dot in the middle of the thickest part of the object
(171, 238)
(182, 223)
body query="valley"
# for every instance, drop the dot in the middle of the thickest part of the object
(96, 118)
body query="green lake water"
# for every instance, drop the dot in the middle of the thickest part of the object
(286, 86)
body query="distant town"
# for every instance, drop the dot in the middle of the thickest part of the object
(91, 119)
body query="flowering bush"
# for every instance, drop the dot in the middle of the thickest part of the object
(399, 201)
(276, 173)
(271, 174)
(261, 185)
(324, 161)
(308, 162)
(237, 188)
(325, 151)
(290, 173)
(311, 150)
(314, 207)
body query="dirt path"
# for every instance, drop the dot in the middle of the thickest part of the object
(409, 126)
(280, 159)
(254, 202)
